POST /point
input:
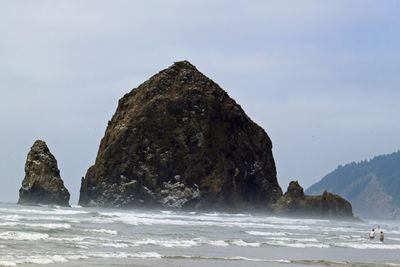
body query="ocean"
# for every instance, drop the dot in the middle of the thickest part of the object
(76, 236)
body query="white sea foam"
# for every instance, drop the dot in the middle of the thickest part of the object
(13, 217)
(76, 257)
(49, 225)
(34, 259)
(210, 220)
(167, 243)
(121, 255)
(297, 244)
(68, 239)
(60, 211)
(9, 224)
(243, 258)
(217, 243)
(41, 226)
(102, 231)
(235, 258)
(257, 233)
(241, 243)
(82, 233)
(44, 259)
(22, 236)
(283, 220)
(166, 212)
(212, 214)
(293, 239)
(183, 243)
(7, 263)
(368, 245)
(114, 245)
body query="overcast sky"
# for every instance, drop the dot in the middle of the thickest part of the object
(321, 77)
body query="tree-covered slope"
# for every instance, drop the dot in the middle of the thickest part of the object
(372, 186)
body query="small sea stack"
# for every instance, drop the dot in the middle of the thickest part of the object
(42, 183)
(295, 203)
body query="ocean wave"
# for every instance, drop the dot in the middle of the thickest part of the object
(9, 224)
(48, 225)
(57, 211)
(7, 263)
(296, 244)
(167, 243)
(235, 258)
(210, 220)
(14, 217)
(368, 245)
(174, 243)
(37, 225)
(69, 239)
(114, 245)
(166, 212)
(293, 221)
(38, 259)
(292, 239)
(242, 243)
(217, 243)
(102, 231)
(121, 255)
(257, 233)
(22, 236)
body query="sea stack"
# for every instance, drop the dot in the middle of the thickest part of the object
(42, 183)
(179, 141)
(295, 203)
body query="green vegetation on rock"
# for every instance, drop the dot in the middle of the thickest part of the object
(180, 130)
(371, 186)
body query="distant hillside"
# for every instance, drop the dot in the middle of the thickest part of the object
(372, 187)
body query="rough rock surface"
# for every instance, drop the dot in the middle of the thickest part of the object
(42, 183)
(295, 202)
(179, 141)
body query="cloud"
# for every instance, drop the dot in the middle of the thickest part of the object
(327, 69)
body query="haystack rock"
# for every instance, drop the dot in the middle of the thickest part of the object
(295, 202)
(179, 141)
(42, 183)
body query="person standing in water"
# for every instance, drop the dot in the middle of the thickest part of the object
(381, 237)
(372, 234)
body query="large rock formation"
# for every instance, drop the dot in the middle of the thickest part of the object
(42, 183)
(177, 141)
(295, 203)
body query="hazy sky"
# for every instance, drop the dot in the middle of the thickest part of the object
(321, 77)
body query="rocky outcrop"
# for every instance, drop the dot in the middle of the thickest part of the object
(179, 141)
(42, 183)
(295, 203)
(372, 186)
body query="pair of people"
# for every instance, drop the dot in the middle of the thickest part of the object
(372, 235)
